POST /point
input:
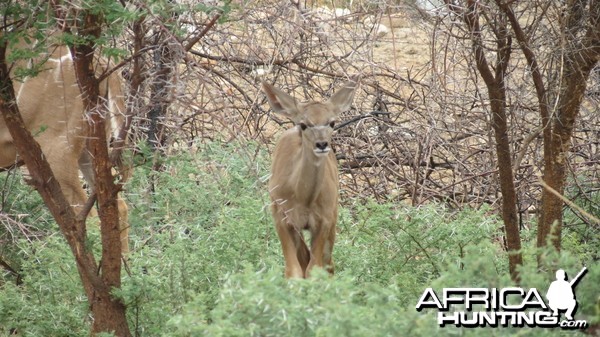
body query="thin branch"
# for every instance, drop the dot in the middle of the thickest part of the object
(568, 202)
(200, 35)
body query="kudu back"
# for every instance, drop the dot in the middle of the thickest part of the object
(304, 179)
(52, 110)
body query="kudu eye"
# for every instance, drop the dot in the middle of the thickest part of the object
(331, 124)
(303, 126)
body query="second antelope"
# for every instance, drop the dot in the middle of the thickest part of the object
(304, 179)
(52, 108)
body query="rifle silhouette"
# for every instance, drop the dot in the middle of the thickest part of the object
(578, 277)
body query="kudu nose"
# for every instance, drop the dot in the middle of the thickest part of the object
(321, 145)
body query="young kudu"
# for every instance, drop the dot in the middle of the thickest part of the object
(52, 109)
(304, 181)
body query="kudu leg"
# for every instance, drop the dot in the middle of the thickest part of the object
(66, 173)
(123, 225)
(328, 253)
(322, 248)
(85, 166)
(302, 251)
(295, 253)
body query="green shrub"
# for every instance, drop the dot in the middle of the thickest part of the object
(206, 260)
(264, 304)
(580, 234)
(50, 301)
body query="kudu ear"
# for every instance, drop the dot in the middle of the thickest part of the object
(281, 102)
(342, 99)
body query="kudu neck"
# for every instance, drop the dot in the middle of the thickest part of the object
(309, 176)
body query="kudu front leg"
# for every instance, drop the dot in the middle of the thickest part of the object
(322, 248)
(293, 267)
(295, 253)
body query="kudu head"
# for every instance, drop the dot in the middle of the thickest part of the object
(315, 120)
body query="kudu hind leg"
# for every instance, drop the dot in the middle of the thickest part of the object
(85, 166)
(328, 252)
(66, 173)
(123, 225)
(302, 251)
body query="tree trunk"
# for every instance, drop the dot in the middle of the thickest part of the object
(496, 87)
(160, 93)
(579, 59)
(574, 79)
(109, 312)
(581, 54)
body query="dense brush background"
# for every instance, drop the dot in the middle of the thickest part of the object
(419, 194)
